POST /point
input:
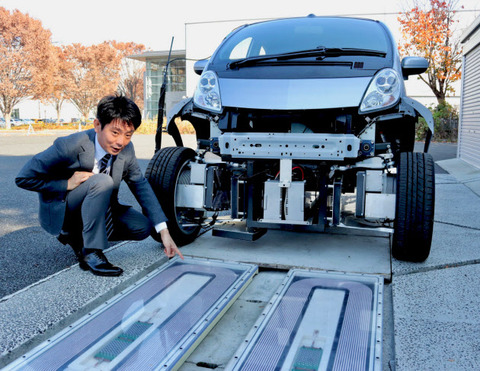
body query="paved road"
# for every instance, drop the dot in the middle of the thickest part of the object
(27, 253)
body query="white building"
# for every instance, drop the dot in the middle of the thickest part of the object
(153, 79)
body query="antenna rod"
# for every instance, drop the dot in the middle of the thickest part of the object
(161, 103)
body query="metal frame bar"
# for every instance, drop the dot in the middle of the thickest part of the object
(310, 146)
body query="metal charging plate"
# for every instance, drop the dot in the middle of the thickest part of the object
(153, 325)
(317, 321)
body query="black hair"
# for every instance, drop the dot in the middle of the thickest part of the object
(119, 107)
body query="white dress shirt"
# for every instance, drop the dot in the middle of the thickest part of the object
(99, 153)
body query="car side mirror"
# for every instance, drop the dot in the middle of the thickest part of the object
(413, 66)
(199, 66)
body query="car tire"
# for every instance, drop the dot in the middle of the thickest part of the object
(168, 168)
(415, 204)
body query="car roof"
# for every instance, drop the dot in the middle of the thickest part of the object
(310, 16)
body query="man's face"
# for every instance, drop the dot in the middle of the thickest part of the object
(115, 135)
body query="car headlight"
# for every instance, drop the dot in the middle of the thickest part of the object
(383, 91)
(207, 94)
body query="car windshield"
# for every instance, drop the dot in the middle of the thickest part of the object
(291, 35)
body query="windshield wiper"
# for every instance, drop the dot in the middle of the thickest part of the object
(320, 53)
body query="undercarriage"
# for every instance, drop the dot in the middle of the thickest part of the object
(357, 173)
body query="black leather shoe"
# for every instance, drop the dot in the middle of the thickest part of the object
(76, 247)
(97, 263)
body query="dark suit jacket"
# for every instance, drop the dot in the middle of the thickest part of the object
(48, 172)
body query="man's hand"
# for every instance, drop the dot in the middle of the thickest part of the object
(78, 178)
(170, 247)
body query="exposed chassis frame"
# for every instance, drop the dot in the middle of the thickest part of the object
(289, 146)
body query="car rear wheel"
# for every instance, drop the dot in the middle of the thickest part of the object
(168, 168)
(415, 203)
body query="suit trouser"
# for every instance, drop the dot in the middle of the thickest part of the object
(85, 215)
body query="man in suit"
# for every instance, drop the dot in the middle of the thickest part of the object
(78, 179)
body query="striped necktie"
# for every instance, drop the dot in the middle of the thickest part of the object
(102, 165)
(108, 215)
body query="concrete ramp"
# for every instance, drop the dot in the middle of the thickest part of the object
(348, 252)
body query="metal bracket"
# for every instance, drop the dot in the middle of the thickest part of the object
(285, 173)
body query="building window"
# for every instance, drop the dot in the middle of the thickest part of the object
(176, 82)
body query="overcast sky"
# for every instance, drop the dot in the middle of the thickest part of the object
(154, 22)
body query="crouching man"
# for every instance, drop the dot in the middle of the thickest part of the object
(78, 179)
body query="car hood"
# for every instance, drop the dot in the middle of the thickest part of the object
(293, 94)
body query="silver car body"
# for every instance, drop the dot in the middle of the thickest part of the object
(293, 94)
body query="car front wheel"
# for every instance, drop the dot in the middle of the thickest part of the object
(168, 168)
(415, 203)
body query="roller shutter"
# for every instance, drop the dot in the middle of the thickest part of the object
(469, 131)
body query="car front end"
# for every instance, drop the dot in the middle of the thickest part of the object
(301, 115)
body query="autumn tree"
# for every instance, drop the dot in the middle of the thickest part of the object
(428, 32)
(131, 71)
(61, 81)
(94, 73)
(25, 60)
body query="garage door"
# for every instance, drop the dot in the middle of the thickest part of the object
(469, 133)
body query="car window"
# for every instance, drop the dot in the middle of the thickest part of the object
(242, 49)
(284, 36)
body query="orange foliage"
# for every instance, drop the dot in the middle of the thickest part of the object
(93, 73)
(30, 66)
(131, 71)
(26, 59)
(61, 84)
(429, 33)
